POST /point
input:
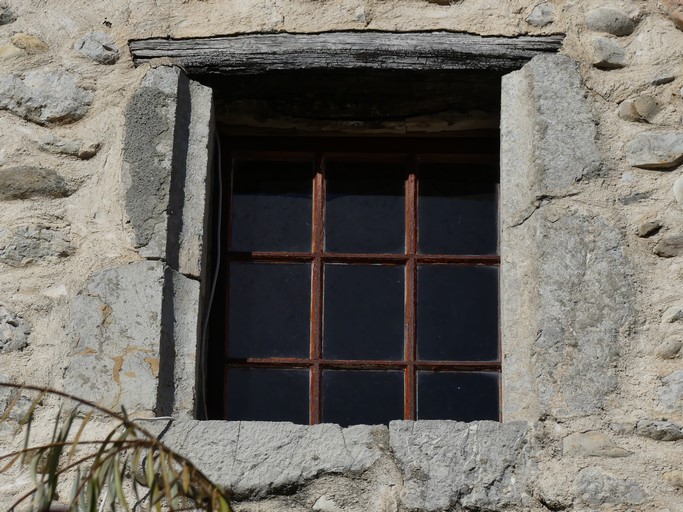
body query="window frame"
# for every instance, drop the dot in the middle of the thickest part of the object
(479, 148)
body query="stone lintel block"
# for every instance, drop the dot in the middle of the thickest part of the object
(257, 459)
(656, 150)
(114, 329)
(447, 465)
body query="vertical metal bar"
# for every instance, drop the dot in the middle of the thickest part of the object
(500, 333)
(227, 202)
(317, 288)
(411, 283)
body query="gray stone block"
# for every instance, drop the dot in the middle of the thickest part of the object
(6, 14)
(670, 394)
(198, 163)
(670, 246)
(591, 444)
(26, 182)
(640, 109)
(45, 97)
(114, 330)
(654, 150)
(98, 46)
(659, 430)
(148, 152)
(447, 465)
(541, 15)
(584, 298)
(168, 150)
(678, 191)
(26, 245)
(256, 459)
(14, 331)
(178, 353)
(669, 349)
(559, 323)
(596, 487)
(608, 54)
(75, 148)
(548, 134)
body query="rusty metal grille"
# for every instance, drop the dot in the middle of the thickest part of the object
(411, 156)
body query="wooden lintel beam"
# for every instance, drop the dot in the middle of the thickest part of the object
(257, 53)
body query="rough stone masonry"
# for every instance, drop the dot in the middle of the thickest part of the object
(102, 260)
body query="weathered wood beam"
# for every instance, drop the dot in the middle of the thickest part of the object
(258, 53)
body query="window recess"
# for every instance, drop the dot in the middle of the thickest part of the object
(360, 280)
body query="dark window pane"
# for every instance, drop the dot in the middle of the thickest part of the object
(271, 206)
(455, 216)
(457, 313)
(365, 210)
(354, 397)
(363, 312)
(457, 396)
(269, 310)
(259, 394)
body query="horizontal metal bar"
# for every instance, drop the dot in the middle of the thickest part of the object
(364, 364)
(358, 258)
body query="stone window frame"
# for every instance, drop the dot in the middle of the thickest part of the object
(560, 329)
(548, 146)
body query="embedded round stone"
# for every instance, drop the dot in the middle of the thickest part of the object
(98, 46)
(678, 191)
(608, 54)
(610, 20)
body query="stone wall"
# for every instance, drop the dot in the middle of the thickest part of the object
(95, 279)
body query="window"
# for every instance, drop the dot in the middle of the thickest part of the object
(361, 280)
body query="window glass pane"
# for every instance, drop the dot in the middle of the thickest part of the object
(456, 216)
(271, 206)
(457, 313)
(363, 312)
(457, 396)
(365, 209)
(269, 310)
(353, 397)
(259, 394)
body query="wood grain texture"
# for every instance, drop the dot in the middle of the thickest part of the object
(258, 53)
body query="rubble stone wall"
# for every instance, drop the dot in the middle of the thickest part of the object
(100, 283)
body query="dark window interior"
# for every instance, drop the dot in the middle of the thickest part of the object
(359, 280)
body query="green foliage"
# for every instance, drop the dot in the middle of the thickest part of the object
(129, 469)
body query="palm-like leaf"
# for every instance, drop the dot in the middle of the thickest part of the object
(106, 472)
